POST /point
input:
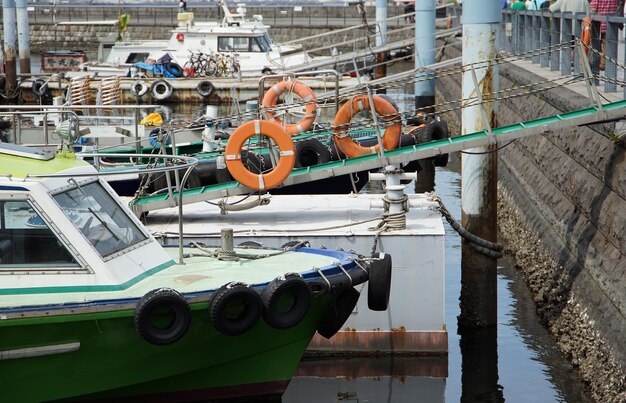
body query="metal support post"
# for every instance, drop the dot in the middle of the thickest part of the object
(23, 36)
(528, 31)
(578, 31)
(544, 39)
(424, 54)
(536, 44)
(479, 171)
(381, 39)
(566, 37)
(10, 68)
(610, 69)
(555, 40)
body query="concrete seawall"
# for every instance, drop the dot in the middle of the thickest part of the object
(562, 214)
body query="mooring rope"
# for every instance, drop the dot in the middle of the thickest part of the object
(481, 245)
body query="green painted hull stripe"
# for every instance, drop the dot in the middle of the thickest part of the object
(88, 288)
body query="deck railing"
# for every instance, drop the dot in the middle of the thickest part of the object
(328, 15)
(548, 37)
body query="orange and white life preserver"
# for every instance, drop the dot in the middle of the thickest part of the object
(391, 137)
(180, 37)
(585, 37)
(271, 98)
(261, 181)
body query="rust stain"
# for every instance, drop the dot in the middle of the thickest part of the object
(399, 367)
(190, 278)
(376, 342)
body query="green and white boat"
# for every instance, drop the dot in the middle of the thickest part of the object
(93, 307)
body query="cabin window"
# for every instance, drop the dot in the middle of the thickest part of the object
(26, 241)
(233, 44)
(101, 220)
(137, 57)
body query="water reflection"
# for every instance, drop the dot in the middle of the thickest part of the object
(479, 366)
(380, 379)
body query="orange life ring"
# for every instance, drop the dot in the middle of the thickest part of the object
(260, 181)
(180, 37)
(585, 37)
(383, 108)
(271, 98)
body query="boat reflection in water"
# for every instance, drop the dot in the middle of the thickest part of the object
(371, 379)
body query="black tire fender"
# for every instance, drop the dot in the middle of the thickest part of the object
(291, 287)
(174, 69)
(39, 87)
(223, 301)
(437, 131)
(338, 313)
(379, 285)
(161, 90)
(156, 300)
(311, 152)
(139, 88)
(205, 88)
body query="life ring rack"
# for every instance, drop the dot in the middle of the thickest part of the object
(392, 134)
(305, 93)
(180, 37)
(260, 181)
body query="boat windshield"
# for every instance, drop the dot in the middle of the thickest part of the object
(101, 220)
(264, 42)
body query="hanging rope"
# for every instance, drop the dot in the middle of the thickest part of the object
(481, 245)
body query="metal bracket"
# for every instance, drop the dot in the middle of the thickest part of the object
(592, 91)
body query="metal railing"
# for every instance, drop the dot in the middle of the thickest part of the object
(328, 15)
(527, 31)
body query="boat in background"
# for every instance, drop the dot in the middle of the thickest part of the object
(248, 40)
(93, 307)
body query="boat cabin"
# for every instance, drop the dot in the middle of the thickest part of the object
(56, 218)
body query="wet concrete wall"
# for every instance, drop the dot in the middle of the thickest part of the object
(562, 214)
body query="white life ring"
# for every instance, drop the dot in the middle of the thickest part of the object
(161, 90)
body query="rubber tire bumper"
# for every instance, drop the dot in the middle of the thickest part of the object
(379, 285)
(291, 286)
(152, 302)
(224, 299)
(338, 312)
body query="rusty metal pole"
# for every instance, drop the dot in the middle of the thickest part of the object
(8, 21)
(425, 55)
(481, 24)
(23, 36)
(380, 70)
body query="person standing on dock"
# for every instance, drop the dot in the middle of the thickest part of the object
(604, 7)
(571, 6)
(520, 5)
(182, 6)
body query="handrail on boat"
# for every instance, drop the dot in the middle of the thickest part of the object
(17, 111)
